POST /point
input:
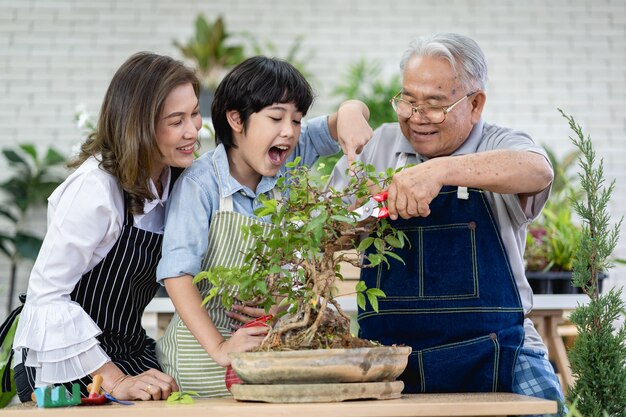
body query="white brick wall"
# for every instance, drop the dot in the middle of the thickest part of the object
(56, 54)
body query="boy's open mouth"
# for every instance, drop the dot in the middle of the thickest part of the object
(278, 154)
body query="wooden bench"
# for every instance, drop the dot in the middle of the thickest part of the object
(483, 404)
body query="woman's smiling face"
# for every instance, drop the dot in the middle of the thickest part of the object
(178, 127)
(262, 148)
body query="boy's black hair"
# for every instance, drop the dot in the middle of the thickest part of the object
(254, 84)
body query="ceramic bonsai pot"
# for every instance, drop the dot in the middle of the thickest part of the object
(369, 364)
(320, 375)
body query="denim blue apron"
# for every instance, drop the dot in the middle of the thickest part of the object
(454, 301)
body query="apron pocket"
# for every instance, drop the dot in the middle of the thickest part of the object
(469, 366)
(425, 273)
(458, 242)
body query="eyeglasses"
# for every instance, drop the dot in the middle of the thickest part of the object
(434, 114)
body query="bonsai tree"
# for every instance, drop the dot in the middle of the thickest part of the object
(598, 357)
(297, 262)
(34, 178)
(211, 51)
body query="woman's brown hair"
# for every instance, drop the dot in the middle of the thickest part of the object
(125, 138)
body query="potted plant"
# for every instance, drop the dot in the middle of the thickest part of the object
(213, 54)
(553, 239)
(598, 357)
(297, 264)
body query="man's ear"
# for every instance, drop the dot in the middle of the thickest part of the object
(234, 120)
(478, 103)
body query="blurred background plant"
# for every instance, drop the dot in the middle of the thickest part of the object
(211, 50)
(33, 177)
(552, 239)
(293, 55)
(364, 81)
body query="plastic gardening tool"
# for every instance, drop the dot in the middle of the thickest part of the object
(50, 397)
(95, 398)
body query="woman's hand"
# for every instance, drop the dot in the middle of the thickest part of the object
(150, 385)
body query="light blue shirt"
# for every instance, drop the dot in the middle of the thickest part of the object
(196, 195)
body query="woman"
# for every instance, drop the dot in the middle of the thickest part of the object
(95, 272)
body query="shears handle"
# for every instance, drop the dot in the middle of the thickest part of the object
(383, 212)
(382, 196)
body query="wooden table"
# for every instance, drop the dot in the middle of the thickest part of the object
(484, 404)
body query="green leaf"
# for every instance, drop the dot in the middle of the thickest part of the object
(375, 259)
(174, 396)
(393, 241)
(27, 246)
(294, 163)
(186, 399)
(5, 212)
(395, 256)
(365, 243)
(261, 286)
(376, 292)
(343, 219)
(181, 397)
(53, 157)
(360, 300)
(379, 244)
(360, 286)
(373, 301)
(14, 158)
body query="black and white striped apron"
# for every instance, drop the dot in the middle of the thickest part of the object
(115, 293)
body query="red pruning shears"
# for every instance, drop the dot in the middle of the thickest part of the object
(374, 207)
(231, 378)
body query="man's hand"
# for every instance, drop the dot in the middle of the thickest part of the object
(412, 190)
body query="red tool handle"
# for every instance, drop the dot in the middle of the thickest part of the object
(382, 196)
(231, 377)
(259, 321)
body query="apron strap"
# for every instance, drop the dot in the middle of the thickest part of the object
(226, 203)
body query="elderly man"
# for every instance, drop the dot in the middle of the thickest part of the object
(466, 194)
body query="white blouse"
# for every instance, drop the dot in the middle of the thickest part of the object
(85, 219)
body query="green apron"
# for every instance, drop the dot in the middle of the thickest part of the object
(178, 351)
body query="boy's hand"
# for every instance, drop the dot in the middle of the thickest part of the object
(243, 340)
(353, 129)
